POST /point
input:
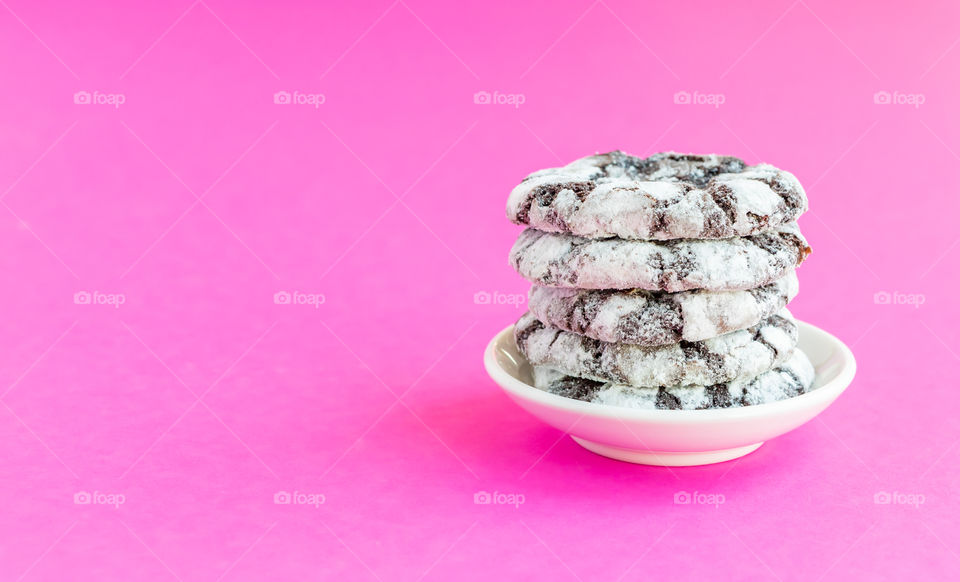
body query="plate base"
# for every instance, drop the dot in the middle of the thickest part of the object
(666, 458)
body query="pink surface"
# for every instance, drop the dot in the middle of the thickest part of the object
(185, 409)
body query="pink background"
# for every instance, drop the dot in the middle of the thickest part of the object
(198, 199)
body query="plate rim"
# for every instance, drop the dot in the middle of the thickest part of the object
(825, 394)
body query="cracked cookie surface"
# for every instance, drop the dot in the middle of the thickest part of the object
(666, 196)
(739, 354)
(563, 260)
(791, 378)
(653, 318)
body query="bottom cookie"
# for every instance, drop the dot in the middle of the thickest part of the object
(791, 378)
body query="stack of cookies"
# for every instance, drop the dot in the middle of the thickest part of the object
(661, 282)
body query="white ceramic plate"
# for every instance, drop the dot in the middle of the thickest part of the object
(675, 437)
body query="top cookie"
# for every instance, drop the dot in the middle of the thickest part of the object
(666, 196)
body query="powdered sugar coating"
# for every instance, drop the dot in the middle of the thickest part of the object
(791, 378)
(654, 318)
(663, 197)
(737, 354)
(563, 260)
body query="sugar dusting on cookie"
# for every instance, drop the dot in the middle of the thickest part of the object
(741, 353)
(563, 260)
(654, 318)
(792, 378)
(664, 197)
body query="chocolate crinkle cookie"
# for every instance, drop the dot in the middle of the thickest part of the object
(791, 378)
(563, 260)
(654, 318)
(739, 354)
(666, 196)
